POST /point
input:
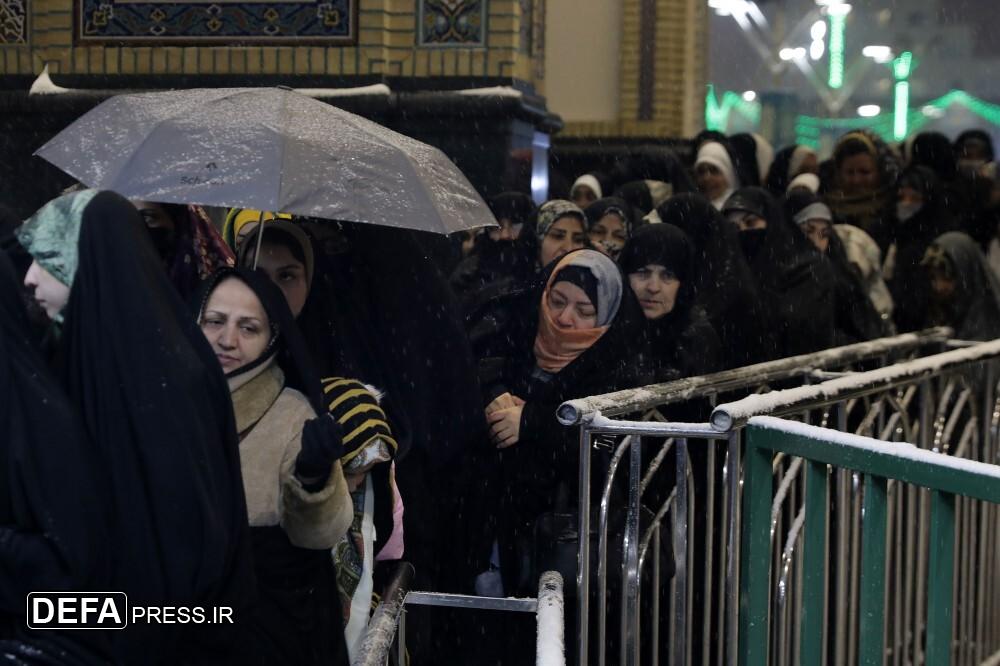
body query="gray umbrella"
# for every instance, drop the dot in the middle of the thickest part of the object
(268, 149)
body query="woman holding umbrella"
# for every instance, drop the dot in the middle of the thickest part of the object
(155, 406)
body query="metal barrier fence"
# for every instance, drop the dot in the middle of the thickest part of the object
(944, 402)
(388, 624)
(881, 464)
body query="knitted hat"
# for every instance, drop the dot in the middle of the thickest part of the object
(360, 416)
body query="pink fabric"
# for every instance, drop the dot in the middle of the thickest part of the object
(393, 548)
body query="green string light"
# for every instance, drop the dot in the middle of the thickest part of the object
(899, 114)
(717, 114)
(837, 24)
(887, 125)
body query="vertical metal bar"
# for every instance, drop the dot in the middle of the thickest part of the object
(871, 646)
(756, 556)
(680, 554)
(939, 578)
(722, 608)
(814, 585)
(655, 631)
(733, 552)
(919, 523)
(630, 560)
(841, 570)
(583, 555)
(709, 527)
(855, 570)
(401, 638)
(550, 627)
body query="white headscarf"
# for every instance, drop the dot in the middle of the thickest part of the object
(587, 180)
(714, 153)
(799, 156)
(810, 181)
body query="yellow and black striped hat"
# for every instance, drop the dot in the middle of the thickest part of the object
(357, 411)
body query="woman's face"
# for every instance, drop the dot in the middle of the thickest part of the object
(583, 196)
(810, 164)
(942, 286)
(285, 271)
(656, 287)
(858, 173)
(507, 231)
(565, 234)
(608, 235)
(909, 196)
(161, 227)
(818, 232)
(235, 324)
(154, 215)
(710, 181)
(571, 307)
(745, 221)
(50, 294)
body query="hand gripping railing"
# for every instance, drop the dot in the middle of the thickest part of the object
(947, 402)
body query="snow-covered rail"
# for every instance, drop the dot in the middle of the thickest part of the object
(682, 483)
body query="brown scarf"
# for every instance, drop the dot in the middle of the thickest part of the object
(556, 347)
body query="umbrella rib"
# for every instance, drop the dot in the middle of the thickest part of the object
(282, 125)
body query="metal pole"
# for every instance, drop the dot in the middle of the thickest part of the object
(630, 560)
(550, 646)
(583, 555)
(680, 554)
(378, 638)
(655, 631)
(733, 553)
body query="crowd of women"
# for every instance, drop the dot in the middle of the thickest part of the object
(268, 417)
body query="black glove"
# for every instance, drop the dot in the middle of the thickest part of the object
(322, 445)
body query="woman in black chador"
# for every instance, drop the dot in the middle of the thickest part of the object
(155, 406)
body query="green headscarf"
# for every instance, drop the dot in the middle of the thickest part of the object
(52, 234)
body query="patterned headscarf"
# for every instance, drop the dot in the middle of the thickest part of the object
(552, 211)
(51, 235)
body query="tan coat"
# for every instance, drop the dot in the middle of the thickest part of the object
(269, 418)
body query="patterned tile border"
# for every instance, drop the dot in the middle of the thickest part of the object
(191, 23)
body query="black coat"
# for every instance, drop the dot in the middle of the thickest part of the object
(908, 284)
(796, 285)
(55, 512)
(854, 315)
(154, 402)
(724, 287)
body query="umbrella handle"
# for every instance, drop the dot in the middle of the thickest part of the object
(260, 237)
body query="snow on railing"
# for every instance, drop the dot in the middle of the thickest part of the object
(734, 414)
(575, 412)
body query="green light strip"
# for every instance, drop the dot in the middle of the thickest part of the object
(895, 126)
(902, 106)
(837, 23)
(717, 114)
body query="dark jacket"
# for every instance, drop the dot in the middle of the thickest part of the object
(855, 317)
(974, 309)
(908, 282)
(724, 288)
(795, 283)
(494, 260)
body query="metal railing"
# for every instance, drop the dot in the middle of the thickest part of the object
(951, 482)
(945, 402)
(388, 624)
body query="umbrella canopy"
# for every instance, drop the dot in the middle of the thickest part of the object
(268, 149)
